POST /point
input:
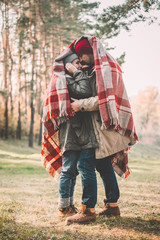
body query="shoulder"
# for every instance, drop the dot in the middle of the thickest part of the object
(69, 79)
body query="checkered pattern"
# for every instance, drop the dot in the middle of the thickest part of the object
(114, 106)
(56, 109)
(113, 100)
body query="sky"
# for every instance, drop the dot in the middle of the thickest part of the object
(142, 47)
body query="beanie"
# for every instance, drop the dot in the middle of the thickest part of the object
(70, 58)
(83, 47)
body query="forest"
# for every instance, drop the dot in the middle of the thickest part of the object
(34, 32)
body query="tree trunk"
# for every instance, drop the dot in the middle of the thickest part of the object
(10, 83)
(25, 94)
(32, 40)
(6, 118)
(5, 64)
(18, 135)
(31, 133)
(40, 134)
(19, 96)
(31, 124)
(10, 73)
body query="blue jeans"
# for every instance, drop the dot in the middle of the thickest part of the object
(82, 162)
(104, 167)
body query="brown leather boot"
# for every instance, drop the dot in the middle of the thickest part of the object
(110, 209)
(68, 211)
(84, 216)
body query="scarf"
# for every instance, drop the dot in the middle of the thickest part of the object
(114, 106)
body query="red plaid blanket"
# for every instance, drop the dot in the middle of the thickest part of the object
(114, 106)
(56, 109)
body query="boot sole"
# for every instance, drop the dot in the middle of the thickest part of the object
(85, 222)
(67, 215)
(109, 215)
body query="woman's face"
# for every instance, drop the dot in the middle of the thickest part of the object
(77, 64)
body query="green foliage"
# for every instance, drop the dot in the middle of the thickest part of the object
(121, 59)
(116, 18)
(35, 33)
(23, 21)
(3, 92)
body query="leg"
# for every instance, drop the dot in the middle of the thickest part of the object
(67, 178)
(73, 183)
(104, 167)
(86, 168)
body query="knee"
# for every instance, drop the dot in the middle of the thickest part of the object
(86, 170)
(80, 167)
(69, 170)
(103, 164)
(100, 165)
(98, 168)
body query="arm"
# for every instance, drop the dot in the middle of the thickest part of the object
(79, 86)
(87, 104)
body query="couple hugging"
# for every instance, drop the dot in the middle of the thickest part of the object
(87, 125)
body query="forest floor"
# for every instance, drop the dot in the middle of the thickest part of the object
(29, 196)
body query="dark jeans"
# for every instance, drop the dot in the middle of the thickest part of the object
(104, 167)
(84, 162)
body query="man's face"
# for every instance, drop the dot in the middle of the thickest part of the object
(86, 59)
(77, 64)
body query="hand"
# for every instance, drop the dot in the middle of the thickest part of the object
(71, 68)
(75, 105)
(85, 68)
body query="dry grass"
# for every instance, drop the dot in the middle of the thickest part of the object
(28, 199)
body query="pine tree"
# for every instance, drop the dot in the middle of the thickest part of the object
(115, 18)
(40, 30)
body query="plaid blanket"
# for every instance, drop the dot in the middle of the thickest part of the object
(56, 109)
(114, 106)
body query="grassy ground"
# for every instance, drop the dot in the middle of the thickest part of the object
(28, 199)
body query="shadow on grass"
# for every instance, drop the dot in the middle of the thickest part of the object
(150, 226)
(10, 230)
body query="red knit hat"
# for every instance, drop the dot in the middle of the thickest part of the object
(83, 47)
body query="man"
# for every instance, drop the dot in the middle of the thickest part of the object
(111, 117)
